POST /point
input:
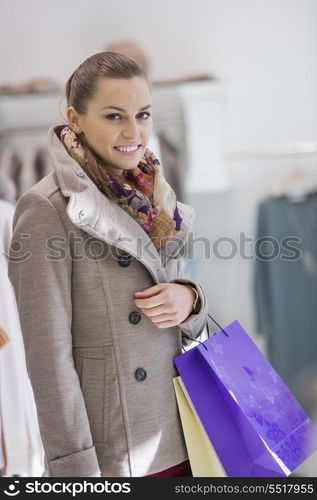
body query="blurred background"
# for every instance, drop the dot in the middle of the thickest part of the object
(234, 87)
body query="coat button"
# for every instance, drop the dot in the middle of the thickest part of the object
(80, 173)
(134, 317)
(81, 214)
(124, 260)
(140, 374)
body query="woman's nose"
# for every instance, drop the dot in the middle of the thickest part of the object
(131, 130)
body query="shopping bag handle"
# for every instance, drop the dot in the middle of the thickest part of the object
(193, 340)
(207, 326)
(208, 333)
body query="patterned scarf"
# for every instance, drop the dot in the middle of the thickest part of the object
(152, 204)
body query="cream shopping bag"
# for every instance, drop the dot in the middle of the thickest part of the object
(202, 456)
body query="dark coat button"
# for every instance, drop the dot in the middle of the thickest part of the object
(134, 317)
(124, 260)
(140, 374)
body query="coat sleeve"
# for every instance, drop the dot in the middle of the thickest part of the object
(42, 286)
(195, 323)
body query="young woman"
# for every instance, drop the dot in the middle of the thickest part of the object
(95, 264)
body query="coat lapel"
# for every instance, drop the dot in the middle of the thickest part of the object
(92, 211)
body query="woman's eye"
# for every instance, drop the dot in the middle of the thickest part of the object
(112, 116)
(147, 115)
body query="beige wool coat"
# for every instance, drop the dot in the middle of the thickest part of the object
(101, 371)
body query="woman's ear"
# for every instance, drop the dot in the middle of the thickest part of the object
(73, 119)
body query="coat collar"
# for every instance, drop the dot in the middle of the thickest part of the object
(89, 209)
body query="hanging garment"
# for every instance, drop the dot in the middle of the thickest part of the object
(43, 163)
(285, 286)
(2, 450)
(28, 176)
(11, 165)
(7, 189)
(24, 168)
(21, 434)
(4, 339)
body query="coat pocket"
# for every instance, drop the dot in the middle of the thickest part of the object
(94, 366)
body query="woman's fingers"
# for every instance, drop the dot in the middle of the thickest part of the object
(157, 311)
(162, 317)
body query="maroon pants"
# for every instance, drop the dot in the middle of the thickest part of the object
(180, 470)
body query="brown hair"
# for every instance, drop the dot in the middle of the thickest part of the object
(81, 87)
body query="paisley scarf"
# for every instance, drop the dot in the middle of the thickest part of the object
(152, 203)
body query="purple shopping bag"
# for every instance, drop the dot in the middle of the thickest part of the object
(255, 424)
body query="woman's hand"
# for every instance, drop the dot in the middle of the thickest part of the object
(166, 304)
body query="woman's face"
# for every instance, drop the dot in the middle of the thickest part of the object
(116, 118)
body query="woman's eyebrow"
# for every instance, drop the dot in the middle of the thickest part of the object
(123, 110)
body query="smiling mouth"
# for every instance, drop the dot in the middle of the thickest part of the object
(128, 149)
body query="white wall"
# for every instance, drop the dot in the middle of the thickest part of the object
(264, 50)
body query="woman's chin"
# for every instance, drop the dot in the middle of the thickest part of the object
(128, 164)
